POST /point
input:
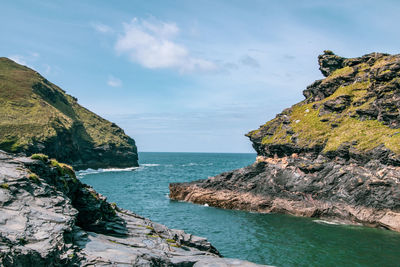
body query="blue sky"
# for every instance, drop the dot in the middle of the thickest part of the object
(191, 75)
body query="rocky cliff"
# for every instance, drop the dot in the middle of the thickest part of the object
(49, 218)
(335, 155)
(37, 116)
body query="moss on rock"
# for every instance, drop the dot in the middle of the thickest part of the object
(360, 111)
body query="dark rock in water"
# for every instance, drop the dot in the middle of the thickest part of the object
(334, 155)
(37, 116)
(49, 218)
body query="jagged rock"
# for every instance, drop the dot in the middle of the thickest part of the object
(329, 62)
(49, 218)
(334, 155)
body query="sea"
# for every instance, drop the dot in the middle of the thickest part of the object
(273, 239)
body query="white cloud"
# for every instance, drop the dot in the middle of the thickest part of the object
(102, 28)
(113, 81)
(152, 45)
(26, 59)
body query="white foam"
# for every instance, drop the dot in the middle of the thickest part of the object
(190, 164)
(150, 165)
(82, 173)
(328, 222)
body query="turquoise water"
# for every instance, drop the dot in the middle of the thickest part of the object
(274, 239)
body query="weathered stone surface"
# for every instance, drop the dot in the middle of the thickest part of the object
(48, 219)
(329, 62)
(334, 155)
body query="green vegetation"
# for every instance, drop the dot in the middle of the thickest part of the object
(71, 255)
(367, 134)
(34, 177)
(41, 157)
(33, 110)
(154, 236)
(170, 240)
(4, 186)
(332, 129)
(338, 73)
(63, 169)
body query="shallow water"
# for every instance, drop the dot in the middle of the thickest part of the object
(274, 239)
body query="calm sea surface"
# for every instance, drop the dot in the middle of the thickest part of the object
(274, 239)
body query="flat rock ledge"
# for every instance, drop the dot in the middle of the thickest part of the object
(49, 218)
(330, 189)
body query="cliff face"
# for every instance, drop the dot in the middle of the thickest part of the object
(37, 116)
(352, 113)
(334, 155)
(49, 218)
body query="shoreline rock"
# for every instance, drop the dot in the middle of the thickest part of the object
(335, 155)
(49, 218)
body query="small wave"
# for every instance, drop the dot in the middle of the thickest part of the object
(82, 173)
(150, 165)
(328, 222)
(197, 164)
(190, 164)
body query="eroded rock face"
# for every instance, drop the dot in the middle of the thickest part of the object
(334, 155)
(49, 218)
(329, 62)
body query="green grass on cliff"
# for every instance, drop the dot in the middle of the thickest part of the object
(34, 110)
(339, 72)
(337, 128)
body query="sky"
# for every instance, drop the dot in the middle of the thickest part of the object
(191, 76)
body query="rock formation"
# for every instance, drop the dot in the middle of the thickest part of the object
(37, 116)
(335, 155)
(49, 218)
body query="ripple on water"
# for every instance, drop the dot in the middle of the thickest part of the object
(274, 239)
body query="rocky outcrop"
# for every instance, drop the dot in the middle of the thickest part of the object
(335, 155)
(49, 218)
(37, 116)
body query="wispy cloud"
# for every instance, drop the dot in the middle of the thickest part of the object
(250, 62)
(102, 28)
(153, 45)
(113, 81)
(25, 59)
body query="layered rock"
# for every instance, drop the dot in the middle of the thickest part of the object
(37, 116)
(334, 155)
(49, 218)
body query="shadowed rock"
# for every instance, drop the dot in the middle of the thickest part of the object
(49, 218)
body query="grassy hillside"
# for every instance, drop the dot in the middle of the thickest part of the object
(357, 105)
(38, 116)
